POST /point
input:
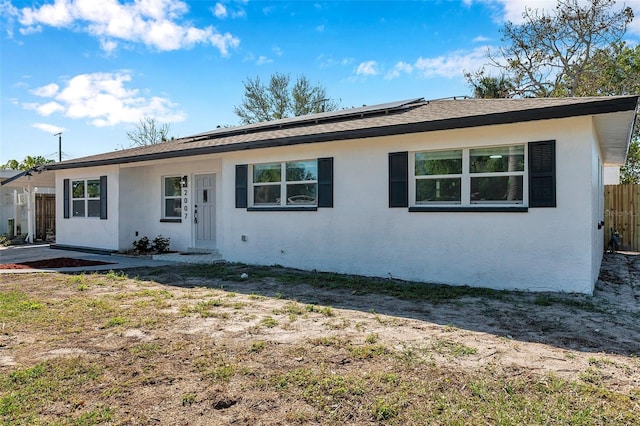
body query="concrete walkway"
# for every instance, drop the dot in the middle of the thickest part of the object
(35, 252)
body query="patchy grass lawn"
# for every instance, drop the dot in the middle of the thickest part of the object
(198, 345)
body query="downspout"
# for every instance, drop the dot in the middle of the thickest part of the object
(15, 212)
(30, 213)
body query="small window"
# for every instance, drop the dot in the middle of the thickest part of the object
(85, 198)
(172, 200)
(438, 177)
(285, 184)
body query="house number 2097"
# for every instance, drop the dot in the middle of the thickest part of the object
(185, 201)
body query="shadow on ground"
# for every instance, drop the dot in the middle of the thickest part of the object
(608, 321)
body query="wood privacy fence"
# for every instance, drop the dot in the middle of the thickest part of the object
(622, 213)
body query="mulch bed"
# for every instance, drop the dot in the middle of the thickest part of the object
(58, 262)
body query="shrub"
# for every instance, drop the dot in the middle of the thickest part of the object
(160, 244)
(142, 245)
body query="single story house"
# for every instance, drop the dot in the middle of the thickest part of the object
(498, 193)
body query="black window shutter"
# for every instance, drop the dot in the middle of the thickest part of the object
(241, 185)
(103, 197)
(399, 179)
(65, 198)
(542, 174)
(325, 182)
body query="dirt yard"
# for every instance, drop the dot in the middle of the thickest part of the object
(195, 345)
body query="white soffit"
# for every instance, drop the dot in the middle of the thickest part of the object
(614, 132)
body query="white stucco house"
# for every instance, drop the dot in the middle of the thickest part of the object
(506, 194)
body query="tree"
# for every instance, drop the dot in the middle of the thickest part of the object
(630, 172)
(149, 132)
(280, 99)
(576, 50)
(28, 163)
(551, 52)
(490, 87)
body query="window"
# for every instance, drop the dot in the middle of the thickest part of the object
(285, 184)
(171, 197)
(438, 177)
(467, 177)
(85, 198)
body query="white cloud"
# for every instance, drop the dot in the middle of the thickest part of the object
(104, 100)
(399, 68)
(263, 60)
(157, 24)
(49, 108)
(367, 68)
(220, 11)
(49, 128)
(46, 91)
(480, 39)
(277, 51)
(453, 64)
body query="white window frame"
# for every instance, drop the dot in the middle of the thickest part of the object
(85, 198)
(283, 183)
(170, 197)
(466, 176)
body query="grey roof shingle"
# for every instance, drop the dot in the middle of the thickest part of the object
(410, 116)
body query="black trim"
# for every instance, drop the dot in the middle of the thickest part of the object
(599, 106)
(283, 209)
(103, 197)
(171, 220)
(469, 209)
(399, 179)
(542, 174)
(66, 196)
(325, 182)
(242, 176)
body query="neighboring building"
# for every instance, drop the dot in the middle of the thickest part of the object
(18, 202)
(499, 193)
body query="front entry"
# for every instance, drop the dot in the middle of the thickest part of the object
(204, 211)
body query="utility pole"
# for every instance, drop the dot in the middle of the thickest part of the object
(59, 135)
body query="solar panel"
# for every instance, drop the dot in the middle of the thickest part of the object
(303, 119)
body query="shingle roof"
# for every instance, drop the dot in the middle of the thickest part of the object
(415, 115)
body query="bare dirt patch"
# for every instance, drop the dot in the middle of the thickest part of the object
(200, 345)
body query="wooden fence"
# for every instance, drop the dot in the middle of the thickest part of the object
(622, 213)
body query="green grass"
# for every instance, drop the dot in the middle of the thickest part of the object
(25, 392)
(359, 284)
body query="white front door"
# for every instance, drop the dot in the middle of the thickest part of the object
(204, 211)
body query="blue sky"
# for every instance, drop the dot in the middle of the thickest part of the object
(92, 69)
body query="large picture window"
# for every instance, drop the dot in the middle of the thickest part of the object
(85, 198)
(171, 197)
(285, 184)
(487, 176)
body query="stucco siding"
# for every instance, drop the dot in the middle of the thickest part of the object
(142, 196)
(542, 249)
(89, 231)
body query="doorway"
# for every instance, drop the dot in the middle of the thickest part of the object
(204, 211)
